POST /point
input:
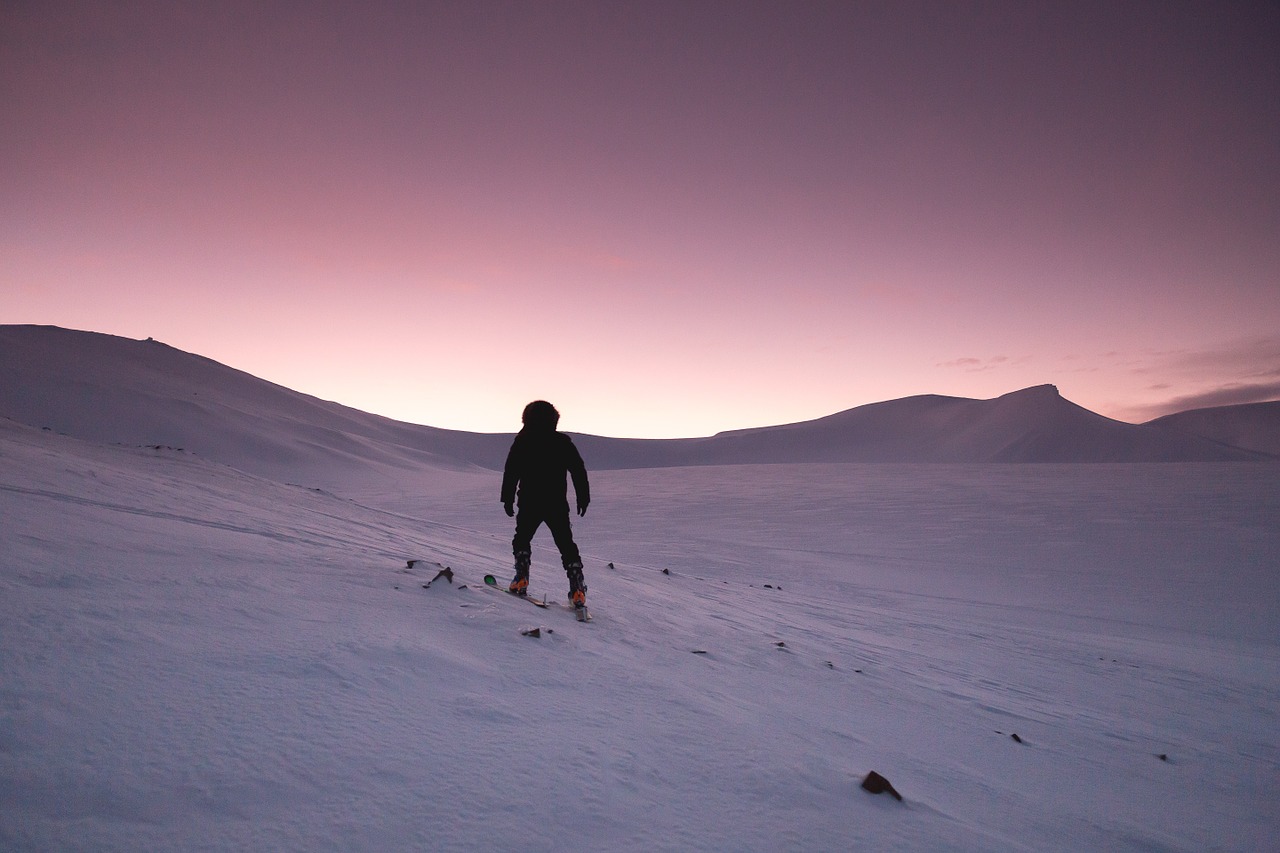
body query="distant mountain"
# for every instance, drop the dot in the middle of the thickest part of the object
(111, 389)
(1253, 426)
(1032, 425)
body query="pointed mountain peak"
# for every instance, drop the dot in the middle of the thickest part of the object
(1034, 392)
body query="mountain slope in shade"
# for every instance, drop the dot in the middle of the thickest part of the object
(1253, 426)
(1031, 425)
(115, 390)
(121, 391)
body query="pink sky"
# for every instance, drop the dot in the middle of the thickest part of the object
(669, 218)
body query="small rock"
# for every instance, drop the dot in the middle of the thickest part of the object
(780, 644)
(446, 573)
(1015, 737)
(699, 651)
(532, 632)
(666, 571)
(877, 784)
(1163, 757)
(611, 565)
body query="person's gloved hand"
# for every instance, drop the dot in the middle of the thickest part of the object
(510, 508)
(582, 508)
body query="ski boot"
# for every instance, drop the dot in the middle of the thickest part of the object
(520, 583)
(577, 587)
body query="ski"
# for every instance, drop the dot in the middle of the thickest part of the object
(490, 580)
(582, 613)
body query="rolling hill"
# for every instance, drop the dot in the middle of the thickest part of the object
(116, 390)
(1253, 426)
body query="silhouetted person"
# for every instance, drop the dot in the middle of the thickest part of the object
(536, 473)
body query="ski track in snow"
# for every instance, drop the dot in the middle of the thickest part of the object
(198, 659)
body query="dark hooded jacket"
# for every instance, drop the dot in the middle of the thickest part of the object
(537, 466)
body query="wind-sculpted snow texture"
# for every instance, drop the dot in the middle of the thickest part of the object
(196, 658)
(211, 639)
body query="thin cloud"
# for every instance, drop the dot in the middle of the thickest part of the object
(1234, 394)
(978, 365)
(596, 260)
(1252, 358)
(1246, 370)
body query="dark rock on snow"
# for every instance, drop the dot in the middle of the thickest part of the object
(877, 784)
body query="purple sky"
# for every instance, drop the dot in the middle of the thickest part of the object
(667, 218)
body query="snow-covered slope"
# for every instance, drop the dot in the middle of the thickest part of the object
(1032, 425)
(1253, 426)
(195, 658)
(145, 393)
(116, 390)
(197, 655)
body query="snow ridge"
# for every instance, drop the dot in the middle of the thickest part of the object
(116, 390)
(1252, 426)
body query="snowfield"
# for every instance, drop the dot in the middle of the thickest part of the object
(196, 658)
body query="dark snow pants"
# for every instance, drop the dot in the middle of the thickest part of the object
(530, 518)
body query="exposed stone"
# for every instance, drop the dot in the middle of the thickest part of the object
(877, 784)
(446, 573)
